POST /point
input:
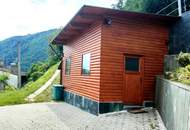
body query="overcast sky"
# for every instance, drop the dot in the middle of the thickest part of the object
(21, 17)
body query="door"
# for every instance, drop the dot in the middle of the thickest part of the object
(133, 80)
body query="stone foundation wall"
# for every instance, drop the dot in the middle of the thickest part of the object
(90, 105)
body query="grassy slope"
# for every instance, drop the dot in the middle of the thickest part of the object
(10, 97)
(46, 95)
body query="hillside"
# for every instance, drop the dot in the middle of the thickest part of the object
(17, 96)
(34, 48)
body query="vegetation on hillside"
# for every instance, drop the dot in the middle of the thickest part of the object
(3, 80)
(34, 48)
(37, 52)
(130, 5)
(183, 59)
(37, 70)
(54, 56)
(45, 96)
(182, 73)
(38, 74)
(10, 97)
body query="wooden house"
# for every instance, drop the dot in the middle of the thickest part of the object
(111, 58)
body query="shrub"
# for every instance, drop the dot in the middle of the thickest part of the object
(37, 70)
(35, 75)
(9, 88)
(182, 74)
(183, 59)
(3, 81)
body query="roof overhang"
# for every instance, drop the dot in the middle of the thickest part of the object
(87, 15)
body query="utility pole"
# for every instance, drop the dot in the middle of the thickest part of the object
(179, 8)
(19, 64)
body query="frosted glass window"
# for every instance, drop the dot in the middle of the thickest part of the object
(67, 66)
(86, 64)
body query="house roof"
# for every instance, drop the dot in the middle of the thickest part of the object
(88, 14)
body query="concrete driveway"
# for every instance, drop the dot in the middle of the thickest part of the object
(62, 116)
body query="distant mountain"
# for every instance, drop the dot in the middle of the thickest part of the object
(34, 48)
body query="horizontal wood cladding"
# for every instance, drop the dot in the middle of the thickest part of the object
(139, 37)
(107, 45)
(87, 42)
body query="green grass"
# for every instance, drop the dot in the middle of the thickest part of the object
(46, 95)
(11, 97)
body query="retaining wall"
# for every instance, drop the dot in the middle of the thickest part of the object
(173, 103)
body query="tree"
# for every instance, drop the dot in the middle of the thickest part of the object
(187, 5)
(54, 56)
(37, 70)
(119, 5)
(135, 5)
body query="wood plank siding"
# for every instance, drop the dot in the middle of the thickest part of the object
(137, 37)
(107, 45)
(145, 36)
(87, 42)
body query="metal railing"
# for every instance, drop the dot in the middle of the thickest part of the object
(178, 7)
(165, 8)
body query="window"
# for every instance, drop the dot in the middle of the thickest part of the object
(67, 66)
(86, 64)
(132, 64)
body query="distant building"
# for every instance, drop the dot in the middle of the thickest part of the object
(12, 73)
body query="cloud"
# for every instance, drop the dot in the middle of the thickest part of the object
(20, 17)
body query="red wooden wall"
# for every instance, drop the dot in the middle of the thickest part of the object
(107, 45)
(88, 42)
(139, 37)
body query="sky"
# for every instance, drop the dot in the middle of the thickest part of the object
(21, 17)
